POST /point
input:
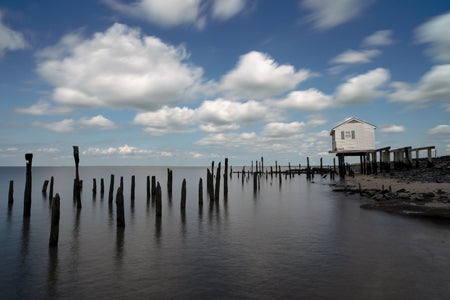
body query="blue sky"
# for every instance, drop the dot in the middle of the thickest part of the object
(185, 82)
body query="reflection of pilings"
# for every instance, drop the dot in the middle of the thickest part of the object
(52, 271)
(183, 196)
(54, 230)
(27, 196)
(120, 208)
(111, 188)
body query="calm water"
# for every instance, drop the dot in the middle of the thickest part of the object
(299, 240)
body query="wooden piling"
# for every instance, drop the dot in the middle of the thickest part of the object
(120, 214)
(28, 184)
(77, 184)
(11, 192)
(255, 182)
(111, 189)
(148, 187)
(217, 187)
(121, 182)
(54, 229)
(200, 192)
(225, 180)
(94, 186)
(44, 187)
(102, 187)
(50, 196)
(169, 181)
(158, 200)
(133, 185)
(210, 184)
(279, 175)
(154, 187)
(183, 195)
(308, 169)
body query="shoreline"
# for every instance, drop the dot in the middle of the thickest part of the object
(406, 197)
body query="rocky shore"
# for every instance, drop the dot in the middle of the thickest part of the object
(422, 191)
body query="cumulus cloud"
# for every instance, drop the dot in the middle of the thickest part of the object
(326, 14)
(66, 125)
(43, 108)
(362, 88)
(379, 38)
(308, 100)
(10, 39)
(166, 120)
(283, 130)
(166, 13)
(257, 75)
(435, 33)
(393, 129)
(225, 9)
(355, 57)
(98, 121)
(434, 85)
(118, 68)
(232, 140)
(439, 129)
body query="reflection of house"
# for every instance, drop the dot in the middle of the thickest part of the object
(353, 135)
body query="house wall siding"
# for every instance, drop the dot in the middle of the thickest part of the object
(364, 137)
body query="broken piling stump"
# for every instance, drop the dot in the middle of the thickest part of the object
(154, 187)
(200, 192)
(133, 185)
(158, 200)
(225, 180)
(111, 188)
(94, 186)
(44, 187)
(148, 187)
(102, 187)
(77, 184)
(217, 188)
(54, 229)
(183, 196)
(11, 192)
(169, 181)
(50, 197)
(28, 184)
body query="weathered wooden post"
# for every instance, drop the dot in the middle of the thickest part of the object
(321, 166)
(11, 192)
(200, 192)
(183, 196)
(54, 229)
(210, 185)
(169, 181)
(255, 183)
(148, 187)
(154, 186)
(276, 168)
(50, 197)
(280, 177)
(77, 185)
(102, 187)
(133, 185)
(158, 200)
(121, 182)
(225, 180)
(217, 188)
(44, 187)
(111, 189)
(94, 187)
(262, 164)
(28, 184)
(308, 169)
(120, 208)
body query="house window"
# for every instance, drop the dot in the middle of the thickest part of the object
(353, 134)
(342, 135)
(347, 134)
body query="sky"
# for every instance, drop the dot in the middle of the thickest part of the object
(186, 82)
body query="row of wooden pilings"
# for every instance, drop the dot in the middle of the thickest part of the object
(153, 188)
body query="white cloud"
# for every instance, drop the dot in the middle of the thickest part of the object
(434, 85)
(308, 100)
(440, 129)
(43, 108)
(257, 75)
(393, 129)
(10, 39)
(166, 13)
(48, 150)
(232, 140)
(283, 130)
(225, 9)
(435, 32)
(118, 68)
(379, 38)
(63, 126)
(355, 57)
(98, 121)
(363, 88)
(326, 14)
(166, 120)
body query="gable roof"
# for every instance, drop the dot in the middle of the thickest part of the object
(351, 120)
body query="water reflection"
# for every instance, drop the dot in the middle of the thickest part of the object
(25, 238)
(52, 281)
(158, 230)
(120, 232)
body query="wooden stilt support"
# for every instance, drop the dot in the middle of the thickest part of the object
(54, 229)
